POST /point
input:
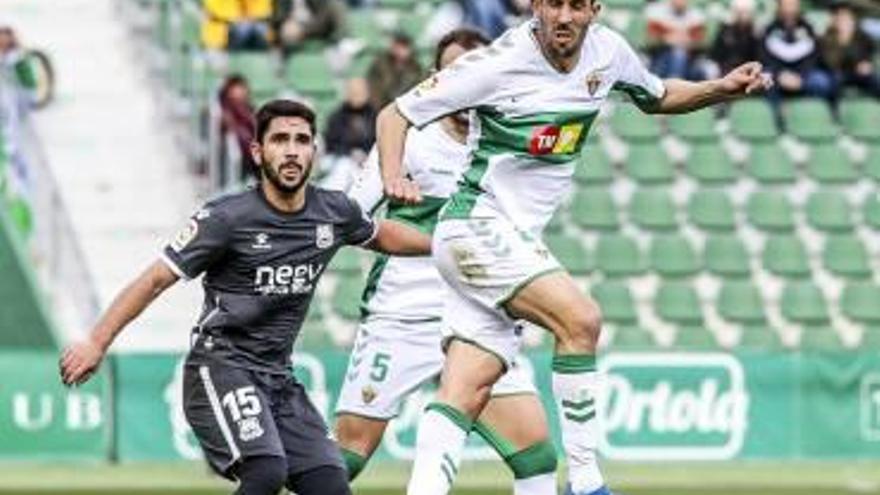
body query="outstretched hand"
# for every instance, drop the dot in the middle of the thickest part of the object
(746, 79)
(79, 361)
(403, 190)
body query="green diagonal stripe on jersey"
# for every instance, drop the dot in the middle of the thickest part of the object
(580, 418)
(577, 405)
(422, 216)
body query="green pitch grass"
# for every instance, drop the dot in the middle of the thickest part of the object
(814, 478)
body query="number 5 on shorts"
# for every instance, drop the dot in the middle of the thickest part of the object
(242, 402)
(380, 367)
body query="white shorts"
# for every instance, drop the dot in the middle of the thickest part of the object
(486, 262)
(392, 358)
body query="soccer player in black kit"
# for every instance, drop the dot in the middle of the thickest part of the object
(262, 252)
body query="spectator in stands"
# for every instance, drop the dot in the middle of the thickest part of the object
(676, 36)
(237, 24)
(737, 40)
(790, 51)
(849, 51)
(299, 21)
(351, 132)
(394, 71)
(238, 119)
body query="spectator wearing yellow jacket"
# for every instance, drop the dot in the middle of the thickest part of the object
(236, 24)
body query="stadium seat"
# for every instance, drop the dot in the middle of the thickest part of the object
(752, 120)
(346, 261)
(309, 73)
(619, 256)
(809, 119)
(653, 210)
(821, 337)
(759, 337)
(872, 163)
(677, 302)
(261, 71)
(633, 125)
(859, 302)
(726, 256)
(594, 167)
(846, 256)
(672, 256)
(711, 210)
(829, 164)
(692, 337)
(314, 335)
(770, 211)
(803, 303)
(570, 253)
(362, 24)
(829, 211)
(594, 209)
(636, 31)
(769, 164)
(616, 302)
(347, 297)
(648, 164)
(556, 223)
(709, 164)
(860, 118)
(626, 4)
(871, 210)
(741, 302)
(696, 126)
(786, 256)
(633, 337)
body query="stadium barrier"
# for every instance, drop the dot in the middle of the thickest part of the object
(658, 407)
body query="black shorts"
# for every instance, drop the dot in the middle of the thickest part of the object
(237, 413)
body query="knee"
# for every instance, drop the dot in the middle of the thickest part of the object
(583, 327)
(262, 475)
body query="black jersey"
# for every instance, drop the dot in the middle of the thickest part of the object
(261, 267)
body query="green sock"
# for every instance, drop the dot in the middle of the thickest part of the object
(354, 462)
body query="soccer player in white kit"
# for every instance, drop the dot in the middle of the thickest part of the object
(535, 91)
(399, 342)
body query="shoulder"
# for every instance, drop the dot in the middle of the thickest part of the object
(230, 207)
(330, 202)
(607, 40)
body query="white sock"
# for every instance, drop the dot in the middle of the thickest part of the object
(575, 388)
(440, 439)
(542, 484)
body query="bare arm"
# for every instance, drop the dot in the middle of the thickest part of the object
(398, 239)
(685, 96)
(391, 130)
(81, 359)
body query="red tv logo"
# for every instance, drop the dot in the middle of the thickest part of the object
(554, 140)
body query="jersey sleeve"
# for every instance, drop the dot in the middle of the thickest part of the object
(633, 78)
(367, 189)
(467, 83)
(202, 241)
(359, 228)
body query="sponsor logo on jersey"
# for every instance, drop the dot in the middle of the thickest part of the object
(185, 236)
(368, 394)
(555, 140)
(261, 242)
(427, 85)
(594, 80)
(674, 406)
(203, 214)
(287, 279)
(249, 429)
(324, 236)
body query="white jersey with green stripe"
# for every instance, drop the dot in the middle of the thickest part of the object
(407, 288)
(530, 120)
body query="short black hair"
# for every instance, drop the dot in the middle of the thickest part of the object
(282, 108)
(467, 38)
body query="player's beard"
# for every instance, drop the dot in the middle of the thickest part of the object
(274, 176)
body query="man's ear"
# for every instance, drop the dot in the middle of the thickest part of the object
(256, 154)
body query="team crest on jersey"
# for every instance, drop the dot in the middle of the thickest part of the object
(555, 140)
(427, 85)
(368, 394)
(324, 236)
(249, 429)
(594, 80)
(185, 236)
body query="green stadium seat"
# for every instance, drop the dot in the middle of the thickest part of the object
(759, 337)
(741, 302)
(821, 337)
(632, 124)
(809, 119)
(648, 164)
(871, 338)
(677, 302)
(570, 253)
(672, 256)
(314, 335)
(726, 256)
(860, 118)
(711, 210)
(871, 210)
(346, 261)
(653, 210)
(618, 256)
(696, 126)
(846, 256)
(694, 337)
(829, 164)
(752, 120)
(872, 163)
(709, 164)
(315, 314)
(594, 167)
(829, 211)
(803, 303)
(616, 302)
(770, 211)
(769, 164)
(399, 4)
(594, 209)
(633, 337)
(636, 31)
(362, 24)
(556, 223)
(346, 297)
(859, 302)
(786, 256)
(309, 73)
(261, 71)
(626, 4)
